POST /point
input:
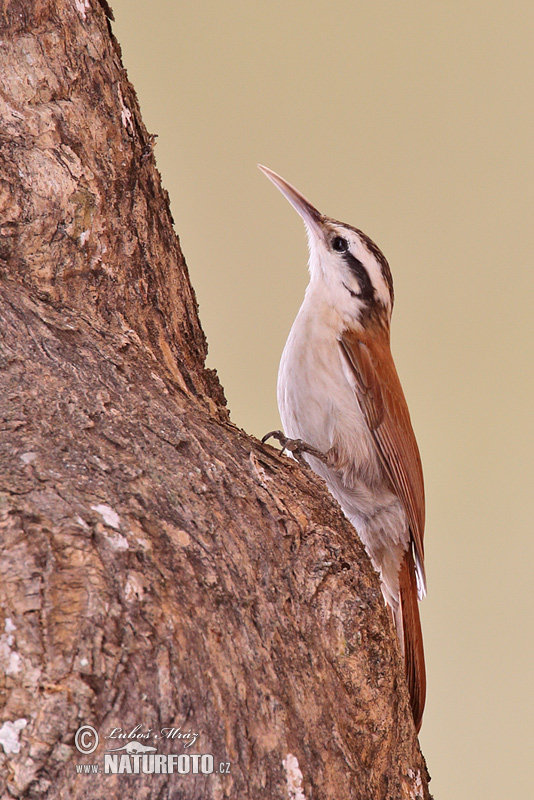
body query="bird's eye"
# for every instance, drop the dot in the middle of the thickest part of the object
(339, 244)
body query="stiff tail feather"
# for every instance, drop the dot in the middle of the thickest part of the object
(414, 657)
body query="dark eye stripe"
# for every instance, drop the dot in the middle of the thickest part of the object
(375, 251)
(367, 291)
(382, 260)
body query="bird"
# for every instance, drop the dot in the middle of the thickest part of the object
(343, 412)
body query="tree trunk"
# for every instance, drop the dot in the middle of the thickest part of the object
(161, 570)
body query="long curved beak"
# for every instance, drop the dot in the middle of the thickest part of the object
(312, 218)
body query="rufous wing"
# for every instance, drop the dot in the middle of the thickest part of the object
(383, 405)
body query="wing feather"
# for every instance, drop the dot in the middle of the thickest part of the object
(384, 407)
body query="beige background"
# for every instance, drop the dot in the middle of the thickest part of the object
(413, 121)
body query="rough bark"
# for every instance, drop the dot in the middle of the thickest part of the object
(158, 566)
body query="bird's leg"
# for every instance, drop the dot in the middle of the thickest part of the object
(295, 446)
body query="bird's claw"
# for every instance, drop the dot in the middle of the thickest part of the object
(295, 446)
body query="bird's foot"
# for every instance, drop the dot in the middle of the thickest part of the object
(295, 446)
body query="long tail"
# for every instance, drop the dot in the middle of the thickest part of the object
(412, 637)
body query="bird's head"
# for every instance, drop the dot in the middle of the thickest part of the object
(344, 260)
